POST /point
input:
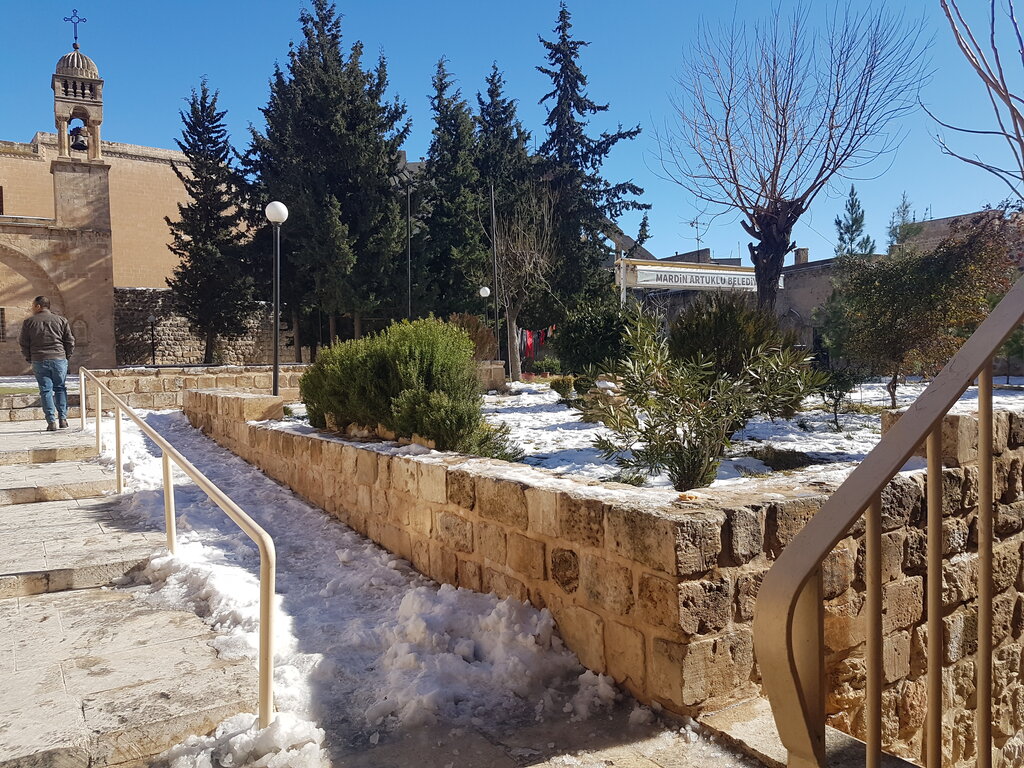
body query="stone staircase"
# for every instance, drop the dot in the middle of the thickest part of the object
(92, 676)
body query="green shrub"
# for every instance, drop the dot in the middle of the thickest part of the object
(590, 336)
(563, 385)
(725, 328)
(414, 378)
(676, 416)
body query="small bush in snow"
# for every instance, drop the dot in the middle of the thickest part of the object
(414, 378)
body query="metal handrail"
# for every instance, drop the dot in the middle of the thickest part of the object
(263, 541)
(789, 613)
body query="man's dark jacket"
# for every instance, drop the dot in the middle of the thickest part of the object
(46, 336)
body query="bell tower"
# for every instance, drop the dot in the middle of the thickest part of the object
(78, 95)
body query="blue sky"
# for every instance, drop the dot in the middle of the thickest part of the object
(151, 54)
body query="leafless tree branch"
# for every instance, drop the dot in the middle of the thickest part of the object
(987, 62)
(768, 115)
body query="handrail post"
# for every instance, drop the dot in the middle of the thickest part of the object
(81, 395)
(118, 470)
(99, 420)
(873, 581)
(983, 662)
(169, 520)
(268, 578)
(933, 718)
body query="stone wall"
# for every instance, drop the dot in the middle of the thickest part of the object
(658, 590)
(176, 343)
(166, 387)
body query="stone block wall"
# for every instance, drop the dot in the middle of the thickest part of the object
(658, 591)
(176, 344)
(166, 387)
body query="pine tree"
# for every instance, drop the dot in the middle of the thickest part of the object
(212, 286)
(455, 254)
(902, 226)
(584, 201)
(502, 156)
(851, 237)
(329, 152)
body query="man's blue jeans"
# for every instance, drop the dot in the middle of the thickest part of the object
(50, 375)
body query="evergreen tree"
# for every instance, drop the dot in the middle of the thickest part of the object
(502, 156)
(902, 226)
(455, 254)
(329, 152)
(212, 286)
(584, 200)
(504, 164)
(851, 237)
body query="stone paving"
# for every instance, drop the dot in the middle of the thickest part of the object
(96, 677)
(92, 676)
(28, 442)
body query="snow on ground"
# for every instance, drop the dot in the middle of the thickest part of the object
(553, 436)
(364, 645)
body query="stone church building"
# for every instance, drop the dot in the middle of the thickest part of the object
(82, 221)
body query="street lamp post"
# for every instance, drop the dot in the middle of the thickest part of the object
(277, 214)
(152, 338)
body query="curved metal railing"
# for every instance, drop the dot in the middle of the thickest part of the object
(263, 541)
(789, 614)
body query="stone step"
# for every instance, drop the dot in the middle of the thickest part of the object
(31, 400)
(750, 726)
(61, 480)
(35, 414)
(28, 442)
(102, 678)
(75, 544)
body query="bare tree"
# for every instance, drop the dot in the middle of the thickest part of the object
(525, 257)
(768, 115)
(986, 60)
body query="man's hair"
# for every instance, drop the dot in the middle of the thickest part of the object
(41, 301)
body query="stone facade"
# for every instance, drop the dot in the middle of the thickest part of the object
(175, 342)
(660, 594)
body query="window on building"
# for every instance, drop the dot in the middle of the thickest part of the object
(3, 324)
(1, 201)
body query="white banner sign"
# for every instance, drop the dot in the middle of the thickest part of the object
(696, 279)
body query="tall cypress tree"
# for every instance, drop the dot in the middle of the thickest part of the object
(584, 200)
(329, 153)
(212, 286)
(455, 253)
(850, 235)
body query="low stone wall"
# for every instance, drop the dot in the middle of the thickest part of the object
(166, 387)
(657, 589)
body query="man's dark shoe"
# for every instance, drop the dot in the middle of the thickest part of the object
(62, 423)
(51, 426)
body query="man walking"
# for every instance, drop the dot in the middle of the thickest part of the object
(47, 343)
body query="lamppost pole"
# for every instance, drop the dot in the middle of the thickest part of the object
(277, 214)
(277, 309)
(408, 247)
(494, 264)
